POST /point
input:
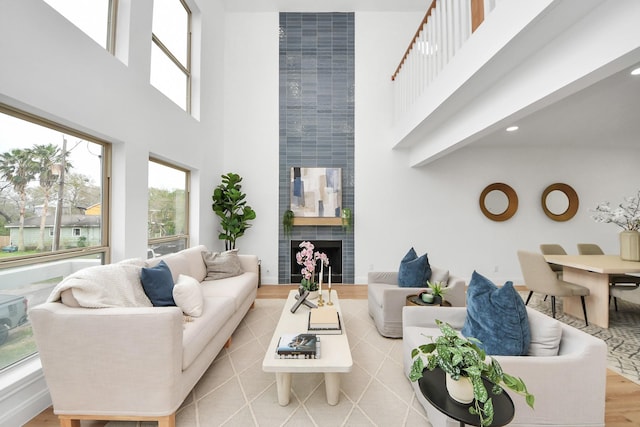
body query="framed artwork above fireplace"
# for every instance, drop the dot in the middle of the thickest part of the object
(316, 193)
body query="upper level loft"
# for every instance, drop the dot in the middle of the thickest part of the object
(476, 67)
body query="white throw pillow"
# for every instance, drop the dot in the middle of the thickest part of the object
(545, 337)
(439, 275)
(188, 295)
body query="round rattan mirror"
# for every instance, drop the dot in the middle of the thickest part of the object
(560, 202)
(498, 202)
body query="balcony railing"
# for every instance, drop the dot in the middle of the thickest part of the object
(444, 29)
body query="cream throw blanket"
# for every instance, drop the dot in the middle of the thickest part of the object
(111, 285)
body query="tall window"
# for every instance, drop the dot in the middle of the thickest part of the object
(53, 222)
(171, 51)
(96, 18)
(168, 208)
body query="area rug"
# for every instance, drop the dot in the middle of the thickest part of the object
(235, 391)
(622, 336)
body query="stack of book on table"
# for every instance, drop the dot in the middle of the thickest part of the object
(324, 320)
(298, 346)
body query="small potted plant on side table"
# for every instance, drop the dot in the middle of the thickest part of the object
(438, 290)
(463, 361)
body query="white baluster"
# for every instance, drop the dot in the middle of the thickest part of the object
(439, 40)
(423, 59)
(457, 31)
(431, 50)
(439, 37)
(465, 20)
(448, 30)
(443, 33)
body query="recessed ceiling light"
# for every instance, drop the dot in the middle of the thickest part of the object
(512, 128)
(635, 72)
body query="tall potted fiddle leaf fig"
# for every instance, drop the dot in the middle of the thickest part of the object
(230, 206)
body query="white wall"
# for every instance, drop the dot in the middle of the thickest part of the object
(52, 69)
(251, 128)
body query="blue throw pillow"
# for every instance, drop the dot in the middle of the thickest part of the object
(157, 283)
(497, 317)
(414, 270)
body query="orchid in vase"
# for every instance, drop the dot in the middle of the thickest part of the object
(308, 259)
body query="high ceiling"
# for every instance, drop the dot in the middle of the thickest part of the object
(605, 113)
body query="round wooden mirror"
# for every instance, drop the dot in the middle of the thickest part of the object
(560, 202)
(498, 202)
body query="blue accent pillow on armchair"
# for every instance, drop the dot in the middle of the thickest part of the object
(157, 283)
(414, 270)
(497, 317)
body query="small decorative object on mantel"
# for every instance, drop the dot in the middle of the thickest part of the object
(287, 222)
(463, 360)
(347, 219)
(627, 217)
(308, 259)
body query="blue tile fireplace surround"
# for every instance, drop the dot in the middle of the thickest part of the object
(316, 126)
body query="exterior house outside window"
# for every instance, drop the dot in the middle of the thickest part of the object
(49, 177)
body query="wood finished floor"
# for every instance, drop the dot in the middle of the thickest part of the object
(622, 404)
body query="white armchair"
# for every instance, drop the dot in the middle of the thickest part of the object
(569, 387)
(386, 298)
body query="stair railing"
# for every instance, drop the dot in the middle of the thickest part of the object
(445, 27)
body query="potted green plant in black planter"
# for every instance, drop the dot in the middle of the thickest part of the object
(230, 206)
(464, 362)
(438, 290)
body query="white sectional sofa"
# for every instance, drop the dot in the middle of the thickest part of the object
(139, 363)
(568, 381)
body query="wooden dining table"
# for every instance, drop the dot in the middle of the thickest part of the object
(592, 271)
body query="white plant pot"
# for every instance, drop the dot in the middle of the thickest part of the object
(313, 295)
(460, 390)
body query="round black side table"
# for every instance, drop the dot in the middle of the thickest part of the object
(432, 385)
(415, 300)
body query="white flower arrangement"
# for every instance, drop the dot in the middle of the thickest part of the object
(626, 215)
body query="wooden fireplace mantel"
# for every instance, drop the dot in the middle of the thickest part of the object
(330, 221)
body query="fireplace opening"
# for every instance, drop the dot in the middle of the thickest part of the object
(333, 249)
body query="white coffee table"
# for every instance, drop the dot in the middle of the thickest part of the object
(335, 354)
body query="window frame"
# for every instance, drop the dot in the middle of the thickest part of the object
(184, 68)
(187, 188)
(104, 248)
(111, 24)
